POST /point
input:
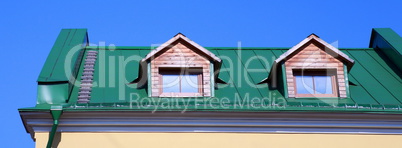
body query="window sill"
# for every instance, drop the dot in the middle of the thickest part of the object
(316, 96)
(181, 95)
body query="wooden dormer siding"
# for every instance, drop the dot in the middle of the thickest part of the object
(180, 55)
(313, 56)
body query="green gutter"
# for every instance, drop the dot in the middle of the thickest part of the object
(56, 113)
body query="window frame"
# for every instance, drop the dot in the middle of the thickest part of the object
(181, 71)
(316, 72)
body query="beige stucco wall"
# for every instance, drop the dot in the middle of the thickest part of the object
(219, 140)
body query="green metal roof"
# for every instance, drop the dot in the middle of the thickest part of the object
(376, 84)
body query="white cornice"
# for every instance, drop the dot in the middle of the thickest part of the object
(261, 122)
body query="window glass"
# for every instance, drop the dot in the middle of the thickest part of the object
(304, 84)
(176, 82)
(323, 84)
(171, 83)
(314, 84)
(189, 83)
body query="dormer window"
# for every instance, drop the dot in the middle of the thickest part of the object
(181, 82)
(181, 68)
(315, 83)
(311, 69)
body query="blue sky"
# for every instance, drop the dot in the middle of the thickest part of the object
(29, 29)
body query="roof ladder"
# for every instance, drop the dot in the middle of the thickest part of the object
(84, 93)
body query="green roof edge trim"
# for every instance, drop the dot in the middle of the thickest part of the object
(291, 106)
(209, 48)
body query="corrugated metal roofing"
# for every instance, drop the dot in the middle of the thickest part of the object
(377, 84)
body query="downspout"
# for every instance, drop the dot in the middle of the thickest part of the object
(56, 113)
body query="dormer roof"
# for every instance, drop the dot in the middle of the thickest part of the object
(328, 48)
(181, 37)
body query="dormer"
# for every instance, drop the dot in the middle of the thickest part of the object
(181, 68)
(312, 69)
